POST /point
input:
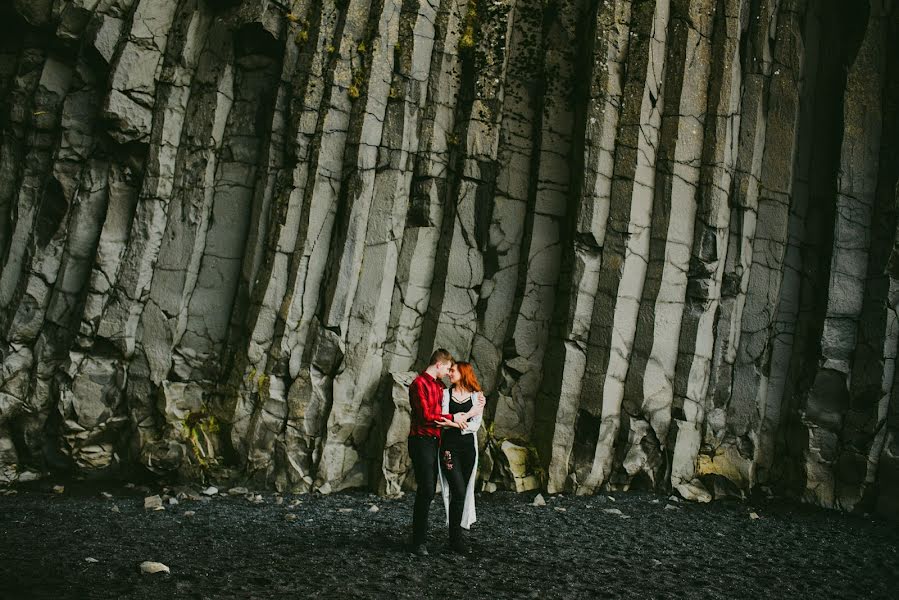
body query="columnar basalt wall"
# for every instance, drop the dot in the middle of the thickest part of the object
(664, 231)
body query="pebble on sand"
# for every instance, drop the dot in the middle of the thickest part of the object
(149, 567)
(671, 507)
(754, 515)
(188, 513)
(613, 511)
(210, 491)
(91, 559)
(238, 491)
(539, 500)
(58, 489)
(153, 502)
(373, 508)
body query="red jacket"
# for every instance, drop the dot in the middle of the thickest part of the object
(426, 400)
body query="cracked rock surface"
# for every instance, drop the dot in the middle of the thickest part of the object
(664, 231)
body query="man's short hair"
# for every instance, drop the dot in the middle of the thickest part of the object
(441, 355)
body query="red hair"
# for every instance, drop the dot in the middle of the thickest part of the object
(468, 379)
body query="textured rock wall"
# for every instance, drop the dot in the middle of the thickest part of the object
(665, 232)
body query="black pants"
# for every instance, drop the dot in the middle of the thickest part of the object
(457, 463)
(423, 452)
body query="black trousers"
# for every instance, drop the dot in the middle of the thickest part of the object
(457, 462)
(423, 452)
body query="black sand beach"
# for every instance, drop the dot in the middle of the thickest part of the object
(337, 546)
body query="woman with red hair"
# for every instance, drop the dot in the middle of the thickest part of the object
(459, 450)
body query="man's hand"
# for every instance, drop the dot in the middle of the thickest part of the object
(478, 408)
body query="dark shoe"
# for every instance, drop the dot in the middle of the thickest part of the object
(420, 550)
(458, 547)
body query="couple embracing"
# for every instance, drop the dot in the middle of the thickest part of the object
(443, 444)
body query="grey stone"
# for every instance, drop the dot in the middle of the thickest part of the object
(150, 567)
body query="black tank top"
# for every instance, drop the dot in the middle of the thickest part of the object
(452, 438)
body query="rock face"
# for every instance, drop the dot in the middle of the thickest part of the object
(664, 231)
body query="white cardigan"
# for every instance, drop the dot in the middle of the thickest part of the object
(468, 512)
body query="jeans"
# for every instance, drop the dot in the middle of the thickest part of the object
(457, 463)
(423, 452)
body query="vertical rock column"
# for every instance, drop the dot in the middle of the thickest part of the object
(627, 237)
(342, 461)
(649, 389)
(502, 230)
(707, 261)
(557, 411)
(829, 398)
(429, 192)
(769, 148)
(543, 243)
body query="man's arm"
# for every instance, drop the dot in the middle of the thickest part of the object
(476, 410)
(422, 407)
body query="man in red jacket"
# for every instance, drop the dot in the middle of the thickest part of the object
(426, 398)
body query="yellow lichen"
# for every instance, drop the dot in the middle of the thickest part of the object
(263, 385)
(197, 429)
(467, 41)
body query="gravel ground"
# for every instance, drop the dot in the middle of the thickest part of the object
(338, 547)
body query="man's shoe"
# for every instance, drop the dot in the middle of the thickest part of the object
(420, 550)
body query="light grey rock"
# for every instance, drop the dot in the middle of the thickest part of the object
(518, 463)
(150, 567)
(396, 466)
(694, 490)
(27, 476)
